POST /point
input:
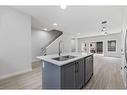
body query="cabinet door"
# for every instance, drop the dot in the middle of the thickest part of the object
(68, 76)
(79, 73)
(88, 68)
(91, 64)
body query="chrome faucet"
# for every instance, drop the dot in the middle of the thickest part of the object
(60, 48)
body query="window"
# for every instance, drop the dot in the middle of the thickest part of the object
(92, 47)
(112, 45)
(83, 47)
(73, 45)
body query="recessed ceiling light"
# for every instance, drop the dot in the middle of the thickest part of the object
(103, 29)
(55, 24)
(63, 6)
(45, 29)
(105, 33)
(78, 33)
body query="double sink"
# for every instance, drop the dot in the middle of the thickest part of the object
(64, 58)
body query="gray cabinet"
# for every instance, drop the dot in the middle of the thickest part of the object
(73, 75)
(79, 73)
(88, 68)
(68, 76)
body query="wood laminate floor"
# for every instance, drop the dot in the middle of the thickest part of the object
(106, 76)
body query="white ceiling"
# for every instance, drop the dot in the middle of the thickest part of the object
(74, 19)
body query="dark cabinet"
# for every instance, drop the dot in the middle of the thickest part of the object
(79, 75)
(68, 76)
(73, 75)
(88, 68)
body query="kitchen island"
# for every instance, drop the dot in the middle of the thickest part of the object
(68, 71)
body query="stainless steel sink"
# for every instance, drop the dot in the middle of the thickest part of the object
(64, 58)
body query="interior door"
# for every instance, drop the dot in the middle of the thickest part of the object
(125, 67)
(99, 47)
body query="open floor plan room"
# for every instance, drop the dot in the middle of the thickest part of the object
(56, 47)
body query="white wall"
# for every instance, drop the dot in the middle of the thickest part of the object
(15, 42)
(116, 36)
(39, 40)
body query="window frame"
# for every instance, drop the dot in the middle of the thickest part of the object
(112, 40)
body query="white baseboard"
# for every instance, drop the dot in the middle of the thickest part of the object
(15, 73)
(36, 60)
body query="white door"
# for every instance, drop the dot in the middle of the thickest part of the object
(125, 63)
(124, 57)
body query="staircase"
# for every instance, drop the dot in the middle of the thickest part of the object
(54, 35)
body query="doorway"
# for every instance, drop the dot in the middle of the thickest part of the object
(99, 47)
(96, 47)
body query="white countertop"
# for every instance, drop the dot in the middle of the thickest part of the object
(49, 59)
